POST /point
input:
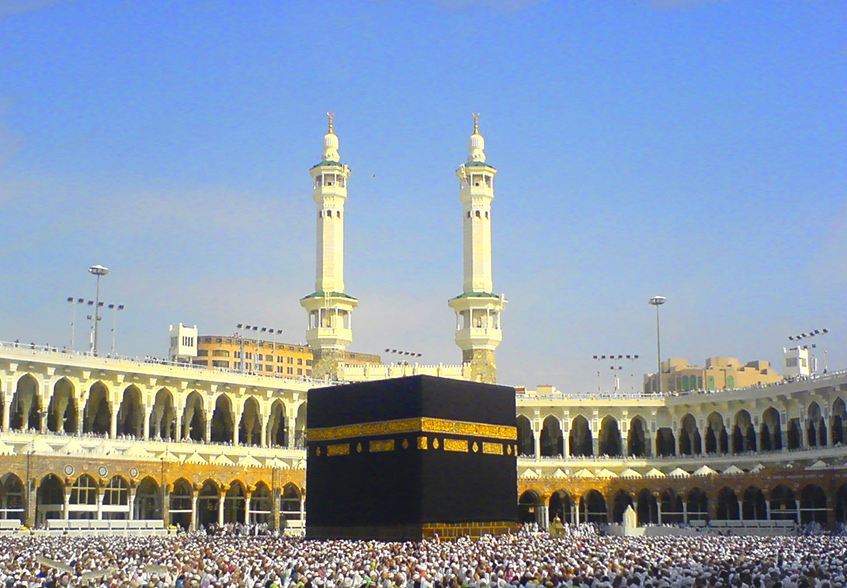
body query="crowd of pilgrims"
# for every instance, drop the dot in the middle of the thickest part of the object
(581, 558)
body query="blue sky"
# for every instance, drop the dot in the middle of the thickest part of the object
(694, 149)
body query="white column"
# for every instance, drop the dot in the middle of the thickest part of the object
(7, 407)
(247, 501)
(131, 514)
(99, 506)
(113, 425)
(148, 410)
(221, 508)
(66, 511)
(193, 525)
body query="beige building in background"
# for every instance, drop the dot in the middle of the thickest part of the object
(720, 373)
(266, 357)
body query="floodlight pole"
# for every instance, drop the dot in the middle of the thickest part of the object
(97, 270)
(657, 301)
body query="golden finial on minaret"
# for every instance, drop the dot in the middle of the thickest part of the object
(330, 116)
(475, 123)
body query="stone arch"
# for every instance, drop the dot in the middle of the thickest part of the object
(795, 434)
(290, 502)
(194, 417)
(690, 442)
(636, 442)
(580, 440)
(208, 504)
(743, 433)
(82, 503)
(25, 411)
(163, 416)
(526, 437)
(665, 442)
(261, 504)
(299, 435)
(672, 508)
(222, 421)
(277, 425)
(838, 421)
(116, 498)
(698, 505)
(131, 413)
(728, 509)
(813, 505)
(753, 507)
(97, 416)
(148, 500)
(561, 507)
(250, 427)
(62, 412)
(610, 436)
(528, 503)
(783, 504)
(621, 502)
(594, 507)
(815, 426)
(12, 498)
(841, 504)
(179, 506)
(770, 433)
(49, 499)
(647, 508)
(717, 438)
(235, 503)
(552, 441)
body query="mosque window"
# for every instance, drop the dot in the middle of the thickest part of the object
(478, 214)
(220, 353)
(299, 371)
(290, 360)
(299, 361)
(469, 214)
(290, 371)
(221, 363)
(488, 181)
(202, 353)
(486, 214)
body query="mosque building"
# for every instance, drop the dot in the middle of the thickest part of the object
(112, 443)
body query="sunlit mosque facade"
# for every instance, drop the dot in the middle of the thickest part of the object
(109, 444)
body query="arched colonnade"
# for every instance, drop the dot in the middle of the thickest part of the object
(810, 503)
(186, 504)
(65, 405)
(688, 431)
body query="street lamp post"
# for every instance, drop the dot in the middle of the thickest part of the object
(657, 301)
(74, 302)
(616, 366)
(256, 329)
(810, 346)
(115, 308)
(97, 270)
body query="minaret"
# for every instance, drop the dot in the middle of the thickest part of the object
(477, 307)
(329, 309)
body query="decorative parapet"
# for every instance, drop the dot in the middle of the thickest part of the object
(370, 372)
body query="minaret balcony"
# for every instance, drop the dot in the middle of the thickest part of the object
(329, 337)
(479, 337)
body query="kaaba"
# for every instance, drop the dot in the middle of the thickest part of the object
(408, 458)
